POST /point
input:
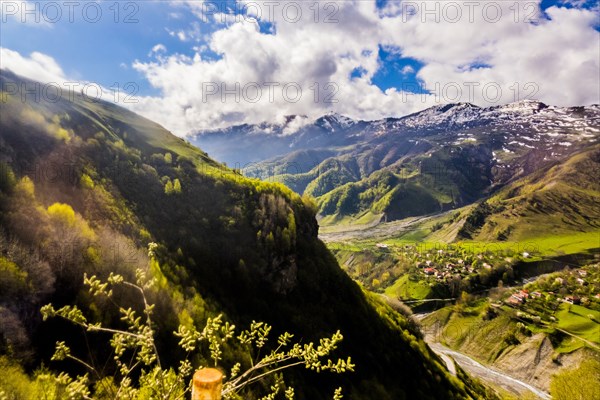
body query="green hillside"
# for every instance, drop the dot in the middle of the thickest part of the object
(86, 186)
(555, 201)
(348, 187)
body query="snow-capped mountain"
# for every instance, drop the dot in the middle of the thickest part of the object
(527, 113)
(520, 124)
(436, 159)
(335, 122)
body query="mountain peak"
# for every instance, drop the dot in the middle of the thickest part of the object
(442, 114)
(333, 120)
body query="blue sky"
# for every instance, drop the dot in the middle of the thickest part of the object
(106, 51)
(398, 72)
(103, 51)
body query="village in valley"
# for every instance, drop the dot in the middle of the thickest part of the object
(577, 287)
(474, 270)
(580, 287)
(445, 269)
(450, 269)
(423, 276)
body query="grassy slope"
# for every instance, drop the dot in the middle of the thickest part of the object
(434, 179)
(404, 288)
(557, 201)
(575, 319)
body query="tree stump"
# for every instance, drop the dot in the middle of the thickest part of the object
(207, 384)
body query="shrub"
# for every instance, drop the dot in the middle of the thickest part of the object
(62, 213)
(136, 353)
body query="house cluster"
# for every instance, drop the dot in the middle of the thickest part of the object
(446, 270)
(520, 297)
(582, 274)
(573, 299)
(581, 278)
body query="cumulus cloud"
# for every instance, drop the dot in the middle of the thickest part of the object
(37, 66)
(553, 58)
(251, 61)
(44, 69)
(159, 48)
(486, 54)
(302, 68)
(407, 69)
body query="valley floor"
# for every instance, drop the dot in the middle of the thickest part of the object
(340, 233)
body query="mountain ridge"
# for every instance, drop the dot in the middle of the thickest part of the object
(462, 115)
(455, 154)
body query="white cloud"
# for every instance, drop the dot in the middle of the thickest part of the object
(556, 59)
(44, 69)
(37, 66)
(317, 57)
(159, 48)
(407, 69)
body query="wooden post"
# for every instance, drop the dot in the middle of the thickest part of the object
(207, 384)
